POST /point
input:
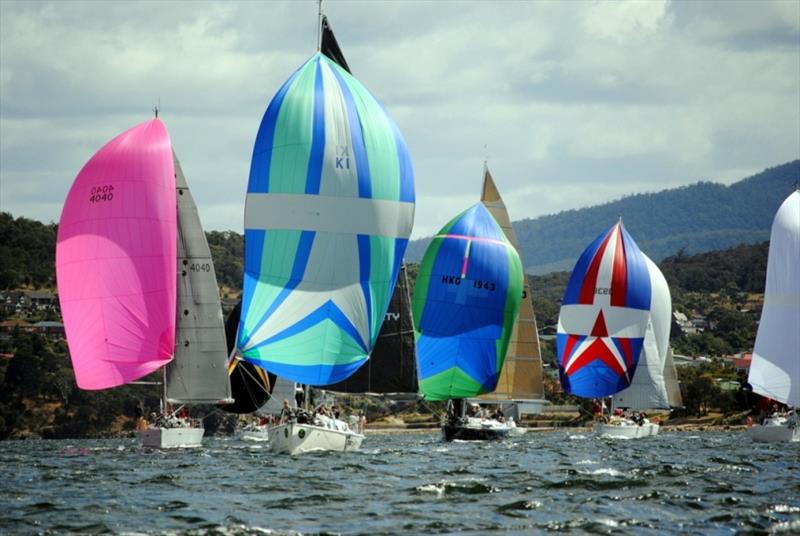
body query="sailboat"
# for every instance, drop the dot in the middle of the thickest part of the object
(520, 385)
(466, 302)
(129, 224)
(328, 214)
(604, 316)
(649, 388)
(775, 368)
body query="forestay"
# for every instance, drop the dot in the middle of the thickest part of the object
(329, 210)
(465, 304)
(775, 369)
(116, 259)
(603, 317)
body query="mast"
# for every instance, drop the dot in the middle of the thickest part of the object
(319, 25)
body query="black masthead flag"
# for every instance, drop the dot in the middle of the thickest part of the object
(330, 47)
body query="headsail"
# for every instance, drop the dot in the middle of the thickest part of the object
(197, 374)
(648, 389)
(775, 369)
(116, 259)
(521, 377)
(392, 366)
(671, 382)
(603, 316)
(329, 210)
(465, 304)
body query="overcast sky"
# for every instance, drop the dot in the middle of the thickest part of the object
(576, 102)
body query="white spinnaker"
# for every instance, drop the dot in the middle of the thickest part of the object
(775, 369)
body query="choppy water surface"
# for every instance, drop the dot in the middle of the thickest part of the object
(708, 483)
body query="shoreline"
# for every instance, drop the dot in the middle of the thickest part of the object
(680, 428)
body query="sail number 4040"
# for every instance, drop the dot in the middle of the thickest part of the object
(102, 193)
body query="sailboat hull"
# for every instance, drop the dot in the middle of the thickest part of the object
(295, 438)
(627, 431)
(254, 433)
(165, 438)
(779, 433)
(475, 430)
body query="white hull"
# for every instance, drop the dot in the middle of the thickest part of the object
(777, 429)
(166, 438)
(296, 438)
(256, 433)
(627, 430)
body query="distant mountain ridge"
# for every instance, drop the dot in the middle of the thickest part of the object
(702, 217)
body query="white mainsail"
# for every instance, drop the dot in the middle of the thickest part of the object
(775, 369)
(648, 389)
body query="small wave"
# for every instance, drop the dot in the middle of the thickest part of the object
(604, 471)
(784, 509)
(516, 508)
(786, 526)
(466, 487)
(586, 462)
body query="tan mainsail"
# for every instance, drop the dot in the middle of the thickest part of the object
(521, 378)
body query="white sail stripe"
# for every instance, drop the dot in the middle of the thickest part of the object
(339, 171)
(579, 319)
(606, 269)
(344, 215)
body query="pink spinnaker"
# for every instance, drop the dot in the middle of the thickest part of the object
(116, 259)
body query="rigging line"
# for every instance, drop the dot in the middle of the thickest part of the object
(253, 377)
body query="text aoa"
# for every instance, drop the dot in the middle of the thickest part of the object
(602, 290)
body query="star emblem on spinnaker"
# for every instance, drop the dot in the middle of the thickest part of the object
(615, 353)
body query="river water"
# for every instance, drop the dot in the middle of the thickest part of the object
(567, 482)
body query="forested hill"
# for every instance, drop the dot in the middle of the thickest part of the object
(702, 217)
(28, 252)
